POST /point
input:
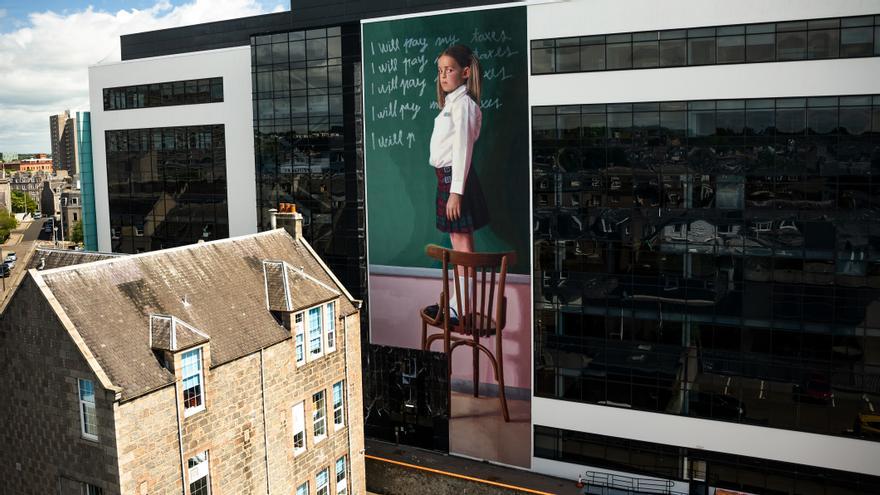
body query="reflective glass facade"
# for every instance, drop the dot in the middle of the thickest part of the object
(813, 39)
(167, 187)
(715, 469)
(87, 179)
(308, 130)
(718, 259)
(164, 94)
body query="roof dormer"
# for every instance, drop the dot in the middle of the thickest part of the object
(168, 333)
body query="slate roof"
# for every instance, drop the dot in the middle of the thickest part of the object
(292, 289)
(46, 259)
(216, 287)
(171, 334)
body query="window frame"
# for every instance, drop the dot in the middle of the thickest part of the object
(325, 488)
(341, 483)
(200, 373)
(83, 404)
(319, 416)
(330, 333)
(298, 427)
(90, 489)
(317, 329)
(206, 475)
(299, 339)
(339, 407)
(304, 485)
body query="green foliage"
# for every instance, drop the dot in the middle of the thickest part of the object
(76, 233)
(23, 202)
(7, 223)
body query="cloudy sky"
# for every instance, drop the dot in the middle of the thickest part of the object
(46, 47)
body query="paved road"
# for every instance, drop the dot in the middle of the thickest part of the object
(35, 231)
(22, 242)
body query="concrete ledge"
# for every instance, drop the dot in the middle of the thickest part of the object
(402, 470)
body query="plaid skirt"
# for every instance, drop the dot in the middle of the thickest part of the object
(474, 212)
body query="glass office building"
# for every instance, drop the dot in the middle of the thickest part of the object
(307, 132)
(706, 227)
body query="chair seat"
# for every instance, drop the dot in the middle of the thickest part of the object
(431, 316)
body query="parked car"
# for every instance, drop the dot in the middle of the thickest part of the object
(4, 270)
(37, 215)
(815, 388)
(10, 264)
(10, 256)
(867, 425)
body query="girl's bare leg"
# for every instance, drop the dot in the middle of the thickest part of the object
(462, 241)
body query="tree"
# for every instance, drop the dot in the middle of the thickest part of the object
(7, 223)
(76, 233)
(22, 201)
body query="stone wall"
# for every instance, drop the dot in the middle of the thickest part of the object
(249, 405)
(43, 450)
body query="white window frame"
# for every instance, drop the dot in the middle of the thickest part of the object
(325, 488)
(200, 374)
(315, 353)
(85, 404)
(299, 427)
(341, 482)
(299, 340)
(330, 333)
(319, 416)
(338, 408)
(202, 470)
(303, 489)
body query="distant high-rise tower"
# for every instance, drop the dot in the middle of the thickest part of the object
(62, 128)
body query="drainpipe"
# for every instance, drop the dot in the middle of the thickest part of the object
(180, 437)
(265, 430)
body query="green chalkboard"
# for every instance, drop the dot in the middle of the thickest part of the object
(400, 103)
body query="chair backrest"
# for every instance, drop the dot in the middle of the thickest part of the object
(477, 283)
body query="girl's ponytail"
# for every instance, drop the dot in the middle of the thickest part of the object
(474, 83)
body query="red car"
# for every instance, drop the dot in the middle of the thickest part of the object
(816, 388)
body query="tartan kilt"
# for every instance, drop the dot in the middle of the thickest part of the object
(474, 212)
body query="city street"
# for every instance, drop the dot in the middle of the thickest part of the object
(23, 240)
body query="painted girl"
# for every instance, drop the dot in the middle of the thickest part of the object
(461, 207)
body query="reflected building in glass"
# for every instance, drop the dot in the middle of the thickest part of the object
(307, 132)
(167, 187)
(711, 258)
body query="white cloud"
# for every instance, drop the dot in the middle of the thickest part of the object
(44, 63)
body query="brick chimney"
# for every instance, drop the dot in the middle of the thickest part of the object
(288, 218)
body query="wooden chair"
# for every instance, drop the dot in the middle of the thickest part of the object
(480, 309)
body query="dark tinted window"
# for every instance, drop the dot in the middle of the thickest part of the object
(748, 43)
(164, 94)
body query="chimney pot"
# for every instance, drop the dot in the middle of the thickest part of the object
(287, 217)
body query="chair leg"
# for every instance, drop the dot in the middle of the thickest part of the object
(499, 374)
(424, 336)
(476, 362)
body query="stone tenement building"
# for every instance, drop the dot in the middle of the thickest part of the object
(229, 367)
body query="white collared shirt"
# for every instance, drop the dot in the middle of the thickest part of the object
(456, 130)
